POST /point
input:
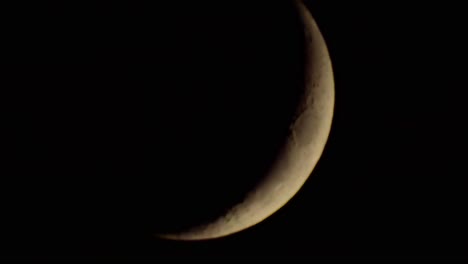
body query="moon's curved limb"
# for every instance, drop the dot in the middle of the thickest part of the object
(308, 135)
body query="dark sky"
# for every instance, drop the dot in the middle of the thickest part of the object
(105, 102)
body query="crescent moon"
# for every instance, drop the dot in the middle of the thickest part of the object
(308, 134)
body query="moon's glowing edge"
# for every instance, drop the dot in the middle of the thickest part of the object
(306, 142)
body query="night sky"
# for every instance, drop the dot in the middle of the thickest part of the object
(120, 116)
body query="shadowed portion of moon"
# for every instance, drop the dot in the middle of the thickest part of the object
(157, 123)
(243, 72)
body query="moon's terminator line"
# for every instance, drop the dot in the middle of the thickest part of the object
(308, 134)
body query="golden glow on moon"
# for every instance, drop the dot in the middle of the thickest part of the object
(308, 136)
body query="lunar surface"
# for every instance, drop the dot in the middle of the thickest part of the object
(306, 139)
(201, 129)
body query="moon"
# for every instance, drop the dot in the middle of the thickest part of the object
(308, 134)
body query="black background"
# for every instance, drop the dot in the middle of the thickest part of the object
(390, 184)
